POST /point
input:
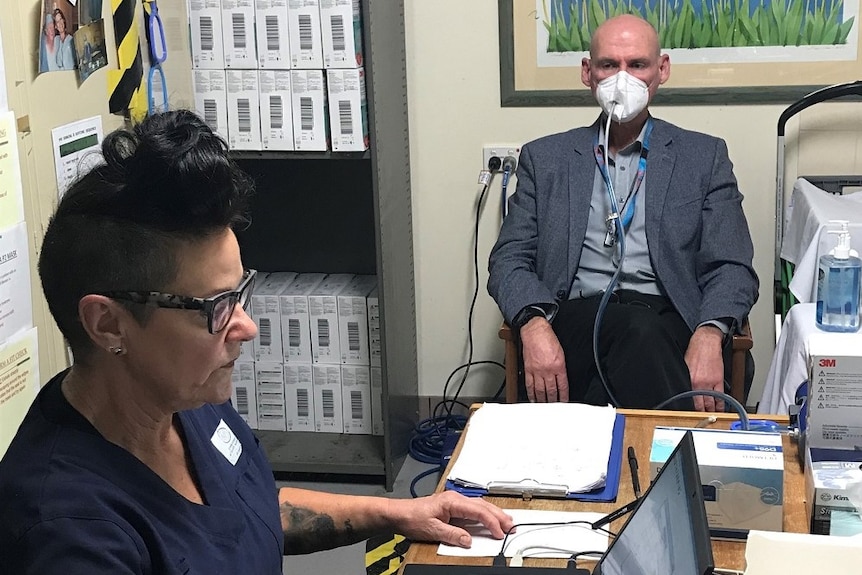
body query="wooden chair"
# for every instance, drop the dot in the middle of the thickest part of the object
(741, 344)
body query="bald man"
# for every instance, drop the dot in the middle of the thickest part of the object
(664, 231)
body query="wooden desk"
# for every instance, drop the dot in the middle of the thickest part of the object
(638, 433)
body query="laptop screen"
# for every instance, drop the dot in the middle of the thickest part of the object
(668, 531)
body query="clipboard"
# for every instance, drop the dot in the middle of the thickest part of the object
(606, 493)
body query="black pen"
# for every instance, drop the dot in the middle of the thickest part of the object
(633, 467)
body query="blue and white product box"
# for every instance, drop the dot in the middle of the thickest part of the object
(742, 473)
(210, 87)
(356, 399)
(273, 46)
(299, 397)
(341, 28)
(306, 49)
(244, 394)
(348, 111)
(295, 322)
(830, 490)
(267, 315)
(206, 34)
(238, 34)
(327, 398)
(374, 346)
(376, 401)
(309, 110)
(269, 380)
(834, 396)
(323, 318)
(353, 320)
(243, 110)
(276, 116)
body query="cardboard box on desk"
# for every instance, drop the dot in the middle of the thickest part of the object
(834, 419)
(827, 492)
(742, 474)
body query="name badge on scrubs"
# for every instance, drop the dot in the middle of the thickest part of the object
(226, 442)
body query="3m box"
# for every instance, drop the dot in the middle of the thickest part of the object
(267, 315)
(348, 111)
(244, 395)
(206, 34)
(273, 46)
(834, 398)
(353, 320)
(269, 378)
(742, 473)
(243, 116)
(356, 399)
(323, 318)
(341, 28)
(376, 401)
(276, 118)
(299, 397)
(210, 88)
(238, 34)
(310, 120)
(295, 321)
(306, 50)
(828, 498)
(327, 398)
(374, 346)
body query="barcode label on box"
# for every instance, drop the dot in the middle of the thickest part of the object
(302, 402)
(305, 33)
(328, 403)
(238, 23)
(206, 27)
(273, 39)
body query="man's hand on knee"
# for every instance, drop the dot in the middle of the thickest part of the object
(706, 366)
(544, 363)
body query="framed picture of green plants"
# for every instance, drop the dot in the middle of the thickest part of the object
(721, 51)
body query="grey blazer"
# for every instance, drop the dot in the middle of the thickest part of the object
(696, 231)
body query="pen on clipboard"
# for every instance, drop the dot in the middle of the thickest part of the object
(633, 467)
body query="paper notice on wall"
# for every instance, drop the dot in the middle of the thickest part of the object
(19, 383)
(4, 100)
(16, 305)
(76, 148)
(11, 196)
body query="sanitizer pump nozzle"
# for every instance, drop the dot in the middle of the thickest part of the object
(842, 250)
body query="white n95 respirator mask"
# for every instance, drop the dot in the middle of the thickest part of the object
(622, 96)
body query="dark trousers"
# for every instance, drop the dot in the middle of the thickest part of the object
(642, 343)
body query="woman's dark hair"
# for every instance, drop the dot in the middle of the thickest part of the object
(163, 184)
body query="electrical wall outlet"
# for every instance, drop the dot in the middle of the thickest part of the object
(500, 151)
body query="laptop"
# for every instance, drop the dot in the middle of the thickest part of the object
(666, 533)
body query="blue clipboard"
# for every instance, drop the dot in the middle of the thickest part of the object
(606, 493)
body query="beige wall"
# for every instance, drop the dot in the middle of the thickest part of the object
(454, 100)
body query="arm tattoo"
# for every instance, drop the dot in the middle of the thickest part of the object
(306, 531)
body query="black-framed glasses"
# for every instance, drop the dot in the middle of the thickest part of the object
(218, 309)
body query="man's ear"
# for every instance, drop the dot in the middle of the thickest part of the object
(585, 72)
(663, 68)
(103, 319)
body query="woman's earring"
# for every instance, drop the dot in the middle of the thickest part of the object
(116, 350)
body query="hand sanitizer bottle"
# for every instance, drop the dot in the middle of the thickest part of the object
(838, 285)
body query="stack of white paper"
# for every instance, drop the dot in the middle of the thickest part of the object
(556, 448)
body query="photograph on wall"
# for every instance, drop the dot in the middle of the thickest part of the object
(56, 43)
(90, 48)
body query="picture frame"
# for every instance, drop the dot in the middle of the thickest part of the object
(711, 75)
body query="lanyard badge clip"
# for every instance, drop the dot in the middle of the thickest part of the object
(611, 234)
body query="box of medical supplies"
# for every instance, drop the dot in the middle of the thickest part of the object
(356, 398)
(327, 398)
(244, 395)
(374, 327)
(267, 315)
(238, 35)
(269, 380)
(834, 403)
(210, 87)
(276, 118)
(742, 473)
(306, 50)
(310, 119)
(341, 29)
(377, 401)
(243, 110)
(273, 47)
(295, 322)
(348, 113)
(833, 488)
(353, 319)
(323, 318)
(299, 396)
(206, 34)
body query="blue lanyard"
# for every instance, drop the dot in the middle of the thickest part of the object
(631, 198)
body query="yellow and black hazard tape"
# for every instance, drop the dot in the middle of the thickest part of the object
(384, 554)
(126, 90)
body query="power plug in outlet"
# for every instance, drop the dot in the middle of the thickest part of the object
(500, 151)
